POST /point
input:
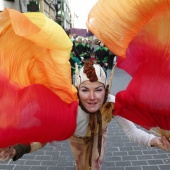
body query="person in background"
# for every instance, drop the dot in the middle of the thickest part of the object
(73, 64)
(80, 46)
(87, 49)
(74, 55)
(102, 54)
(91, 43)
(93, 57)
(74, 36)
(96, 44)
(110, 60)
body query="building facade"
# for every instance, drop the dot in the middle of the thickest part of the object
(57, 10)
(63, 15)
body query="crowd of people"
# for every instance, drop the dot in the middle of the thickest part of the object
(90, 48)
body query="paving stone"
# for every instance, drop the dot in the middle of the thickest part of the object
(150, 168)
(155, 162)
(120, 153)
(54, 168)
(166, 161)
(8, 167)
(164, 167)
(21, 168)
(139, 163)
(144, 157)
(135, 152)
(111, 149)
(32, 162)
(123, 163)
(39, 168)
(19, 162)
(113, 158)
(43, 157)
(160, 156)
(125, 158)
(117, 168)
(49, 163)
(132, 168)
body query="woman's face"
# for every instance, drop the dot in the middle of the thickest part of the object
(101, 44)
(92, 95)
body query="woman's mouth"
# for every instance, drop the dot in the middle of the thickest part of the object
(92, 104)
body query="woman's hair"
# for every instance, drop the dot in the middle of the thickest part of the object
(90, 71)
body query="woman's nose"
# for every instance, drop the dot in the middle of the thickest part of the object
(92, 96)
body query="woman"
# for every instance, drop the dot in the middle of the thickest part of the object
(95, 111)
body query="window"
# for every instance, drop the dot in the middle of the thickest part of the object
(10, 0)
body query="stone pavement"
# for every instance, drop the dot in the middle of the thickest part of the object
(120, 153)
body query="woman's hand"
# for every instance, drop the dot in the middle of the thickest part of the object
(7, 153)
(161, 142)
(166, 143)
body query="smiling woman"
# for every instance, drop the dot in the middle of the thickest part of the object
(95, 111)
(91, 83)
(90, 94)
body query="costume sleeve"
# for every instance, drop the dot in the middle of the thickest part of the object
(133, 133)
(21, 150)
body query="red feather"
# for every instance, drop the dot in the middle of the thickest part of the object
(146, 101)
(140, 35)
(34, 114)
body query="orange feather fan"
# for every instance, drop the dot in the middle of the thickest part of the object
(38, 102)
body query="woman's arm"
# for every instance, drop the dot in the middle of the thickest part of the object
(17, 151)
(133, 133)
(141, 137)
(24, 149)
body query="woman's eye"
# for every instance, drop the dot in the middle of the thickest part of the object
(99, 90)
(84, 90)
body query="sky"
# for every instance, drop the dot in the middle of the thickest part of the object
(82, 8)
(1, 5)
